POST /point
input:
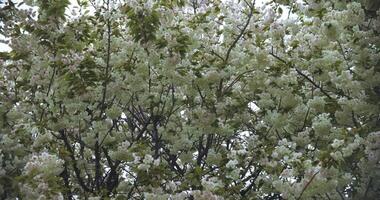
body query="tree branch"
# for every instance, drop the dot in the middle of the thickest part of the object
(97, 149)
(252, 184)
(237, 79)
(307, 184)
(299, 72)
(250, 14)
(74, 162)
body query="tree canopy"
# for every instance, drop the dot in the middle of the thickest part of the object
(198, 99)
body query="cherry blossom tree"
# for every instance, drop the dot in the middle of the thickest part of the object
(198, 99)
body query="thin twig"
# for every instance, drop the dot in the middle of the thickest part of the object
(97, 149)
(307, 184)
(250, 14)
(340, 194)
(237, 79)
(299, 72)
(74, 162)
(368, 186)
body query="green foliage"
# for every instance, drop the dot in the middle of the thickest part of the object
(142, 23)
(52, 8)
(189, 100)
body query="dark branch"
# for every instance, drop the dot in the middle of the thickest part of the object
(250, 14)
(299, 72)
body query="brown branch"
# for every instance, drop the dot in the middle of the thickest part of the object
(327, 195)
(217, 55)
(66, 177)
(114, 124)
(74, 162)
(342, 51)
(252, 184)
(246, 170)
(141, 132)
(108, 66)
(368, 187)
(52, 79)
(97, 149)
(200, 147)
(229, 50)
(156, 139)
(113, 177)
(250, 14)
(203, 150)
(172, 161)
(203, 98)
(194, 6)
(307, 184)
(237, 79)
(305, 119)
(299, 72)
(340, 194)
(50, 84)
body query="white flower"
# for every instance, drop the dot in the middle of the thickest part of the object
(232, 164)
(347, 151)
(277, 120)
(46, 164)
(242, 152)
(171, 185)
(42, 139)
(114, 112)
(211, 184)
(269, 15)
(337, 143)
(143, 167)
(234, 174)
(156, 162)
(136, 158)
(322, 124)
(337, 155)
(318, 103)
(124, 145)
(148, 159)
(331, 30)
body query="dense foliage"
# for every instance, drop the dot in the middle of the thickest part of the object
(180, 99)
